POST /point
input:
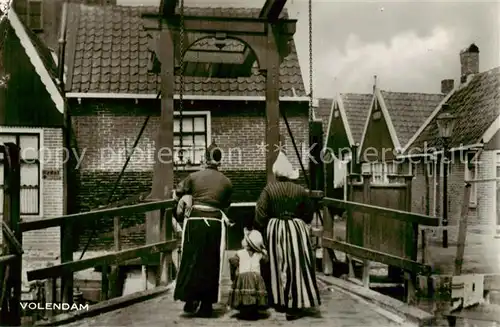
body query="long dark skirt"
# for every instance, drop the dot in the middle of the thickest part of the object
(292, 267)
(199, 271)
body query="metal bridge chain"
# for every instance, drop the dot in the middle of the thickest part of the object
(311, 103)
(181, 79)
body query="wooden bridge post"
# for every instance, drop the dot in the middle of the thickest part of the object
(163, 174)
(10, 314)
(327, 233)
(349, 218)
(462, 231)
(367, 219)
(115, 277)
(66, 249)
(167, 233)
(272, 66)
(411, 244)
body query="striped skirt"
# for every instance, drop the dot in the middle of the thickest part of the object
(292, 265)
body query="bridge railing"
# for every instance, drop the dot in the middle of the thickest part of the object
(384, 234)
(11, 274)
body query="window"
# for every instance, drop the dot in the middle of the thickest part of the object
(29, 144)
(194, 138)
(35, 14)
(471, 174)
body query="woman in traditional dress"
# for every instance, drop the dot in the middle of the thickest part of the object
(282, 212)
(203, 236)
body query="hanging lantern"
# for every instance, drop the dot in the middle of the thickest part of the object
(446, 123)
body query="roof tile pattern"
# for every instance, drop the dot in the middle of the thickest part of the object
(408, 111)
(111, 56)
(356, 106)
(476, 106)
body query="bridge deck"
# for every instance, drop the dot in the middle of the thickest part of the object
(338, 309)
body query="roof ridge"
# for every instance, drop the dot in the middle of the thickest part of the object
(413, 93)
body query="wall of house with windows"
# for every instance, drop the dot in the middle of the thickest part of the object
(41, 182)
(486, 193)
(428, 182)
(105, 133)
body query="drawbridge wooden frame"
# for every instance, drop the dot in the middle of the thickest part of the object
(266, 36)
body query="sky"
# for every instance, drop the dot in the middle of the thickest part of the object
(409, 45)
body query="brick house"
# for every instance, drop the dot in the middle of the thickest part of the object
(32, 108)
(111, 92)
(393, 118)
(475, 145)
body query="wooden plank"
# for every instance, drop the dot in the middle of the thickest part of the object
(327, 232)
(66, 245)
(102, 307)
(414, 314)
(220, 57)
(105, 282)
(109, 259)
(229, 25)
(481, 312)
(7, 258)
(117, 233)
(163, 171)
(121, 211)
(128, 201)
(272, 66)
(462, 231)
(272, 9)
(17, 247)
(211, 24)
(375, 210)
(167, 7)
(373, 255)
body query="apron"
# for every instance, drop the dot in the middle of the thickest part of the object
(223, 221)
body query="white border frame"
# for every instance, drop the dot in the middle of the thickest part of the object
(40, 132)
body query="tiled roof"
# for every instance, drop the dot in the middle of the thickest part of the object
(408, 111)
(323, 112)
(356, 106)
(111, 56)
(476, 106)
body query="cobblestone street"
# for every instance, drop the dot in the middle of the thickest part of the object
(339, 309)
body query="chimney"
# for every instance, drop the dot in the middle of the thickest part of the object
(447, 85)
(469, 62)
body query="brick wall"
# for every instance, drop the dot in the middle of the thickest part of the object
(45, 242)
(237, 128)
(105, 130)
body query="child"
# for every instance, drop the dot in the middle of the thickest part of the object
(248, 294)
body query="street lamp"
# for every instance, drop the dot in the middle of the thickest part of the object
(446, 122)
